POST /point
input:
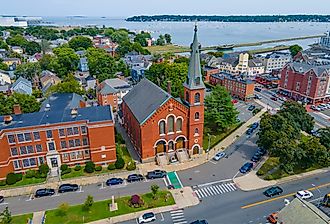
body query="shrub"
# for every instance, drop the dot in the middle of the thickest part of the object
(88, 203)
(62, 210)
(261, 172)
(19, 177)
(66, 171)
(30, 174)
(11, 178)
(77, 168)
(64, 167)
(44, 169)
(3, 183)
(98, 168)
(111, 166)
(90, 167)
(131, 165)
(120, 163)
(136, 201)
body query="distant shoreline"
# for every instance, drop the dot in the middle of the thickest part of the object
(241, 18)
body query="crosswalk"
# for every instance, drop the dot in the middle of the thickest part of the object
(212, 190)
(178, 217)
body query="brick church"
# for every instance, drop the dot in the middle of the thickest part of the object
(162, 127)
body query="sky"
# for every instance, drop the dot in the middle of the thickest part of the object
(124, 8)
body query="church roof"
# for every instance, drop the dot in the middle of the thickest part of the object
(145, 99)
(194, 79)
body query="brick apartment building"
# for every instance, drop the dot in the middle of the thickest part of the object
(242, 88)
(306, 82)
(62, 132)
(162, 127)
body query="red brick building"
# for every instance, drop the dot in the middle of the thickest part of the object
(306, 82)
(208, 71)
(241, 88)
(163, 127)
(60, 133)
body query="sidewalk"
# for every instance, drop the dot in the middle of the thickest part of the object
(183, 198)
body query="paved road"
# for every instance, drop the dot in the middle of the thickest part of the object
(24, 204)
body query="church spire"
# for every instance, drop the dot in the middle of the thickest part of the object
(194, 79)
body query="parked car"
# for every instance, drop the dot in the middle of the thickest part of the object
(199, 222)
(156, 174)
(134, 178)
(262, 152)
(257, 97)
(255, 125)
(67, 188)
(114, 181)
(272, 218)
(2, 199)
(251, 107)
(257, 89)
(234, 101)
(219, 156)
(270, 192)
(246, 167)
(273, 98)
(256, 157)
(304, 194)
(44, 192)
(147, 217)
(249, 131)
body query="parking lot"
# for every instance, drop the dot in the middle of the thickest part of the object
(244, 113)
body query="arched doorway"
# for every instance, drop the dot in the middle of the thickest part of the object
(160, 147)
(196, 150)
(180, 143)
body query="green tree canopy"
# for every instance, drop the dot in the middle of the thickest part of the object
(325, 137)
(119, 36)
(168, 38)
(66, 61)
(80, 42)
(295, 49)
(17, 40)
(28, 70)
(3, 45)
(161, 40)
(141, 38)
(69, 85)
(220, 112)
(28, 103)
(161, 73)
(32, 47)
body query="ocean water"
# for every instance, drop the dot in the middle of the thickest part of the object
(210, 33)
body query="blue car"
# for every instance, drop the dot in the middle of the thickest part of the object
(255, 125)
(246, 167)
(249, 131)
(114, 181)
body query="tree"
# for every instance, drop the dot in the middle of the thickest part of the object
(45, 46)
(161, 40)
(5, 216)
(66, 61)
(325, 137)
(27, 103)
(136, 201)
(216, 54)
(3, 66)
(69, 85)
(176, 73)
(295, 49)
(28, 70)
(141, 38)
(154, 190)
(89, 167)
(88, 203)
(32, 47)
(80, 42)
(168, 38)
(44, 169)
(220, 112)
(182, 60)
(3, 45)
(17, 40)
(46, 62)
(119, 36)
(120, 162)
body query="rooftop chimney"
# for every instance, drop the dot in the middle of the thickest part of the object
(17, 109)
(169, 87)
(7, 119)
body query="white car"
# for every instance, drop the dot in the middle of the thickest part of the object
(304, 194)
(147, 217)
(219, 156)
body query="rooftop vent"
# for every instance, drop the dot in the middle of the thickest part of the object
(7, 119)
(74, 112)
(47, 108)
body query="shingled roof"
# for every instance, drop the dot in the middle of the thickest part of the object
(144, 99)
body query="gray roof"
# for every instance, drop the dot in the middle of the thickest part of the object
(302, 67)
(194, 79)
(144, 99)
(90, 114)
(255, 62)
(113, 86)
(23, 80)
(60, 101)
(302, 212)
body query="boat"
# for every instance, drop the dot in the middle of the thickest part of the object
(225, 47)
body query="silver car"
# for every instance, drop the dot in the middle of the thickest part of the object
(219, 156)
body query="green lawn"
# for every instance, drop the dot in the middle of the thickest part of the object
(100, 209)
(21, 219)
(218, 137)
(25, 181)
(273, 163)
(167, 48)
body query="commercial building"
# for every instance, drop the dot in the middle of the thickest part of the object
(62, 132)
(238, 86)
(162, 127)
(275, 60)
(325, 41)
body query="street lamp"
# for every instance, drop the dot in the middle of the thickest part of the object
(208, 148)
(320, 194)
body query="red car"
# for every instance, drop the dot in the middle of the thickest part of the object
(234, 101)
